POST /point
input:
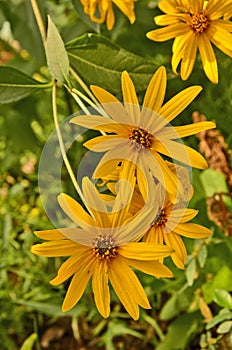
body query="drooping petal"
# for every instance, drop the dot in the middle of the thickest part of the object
(163, 174)
(101, 289)
(189, 57)
(180, 255)
(71, 266)
(144, 251)
(208, 58)
(153, 268)
(126, 8)
(77, 286)
(127, 287)
(192, 230)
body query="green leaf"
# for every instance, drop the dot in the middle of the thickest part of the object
(225, 327)
(57, 57)
(98, 61)
(202, 255)
(181, 331)
(213, 181)
(190, 272)
(15, 85)
(222, 316)
(29, 342)
(223, 298)
(222, 280)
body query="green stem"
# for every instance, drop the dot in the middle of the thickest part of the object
(62, 148)
(39, 21)
(85, 87)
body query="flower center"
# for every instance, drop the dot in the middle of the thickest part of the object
(160, 219)
(141, 137)
(104, 247)
(199, 23)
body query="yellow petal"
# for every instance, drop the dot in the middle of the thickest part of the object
(183, 215)
(127, 287)
(126, 8)
(192, 230)
(144, 251)
(177, 132)
(107, 169)
(56, 248)
(75, 211)
(53, 235)
(180, 152)
(131, 103)
(156, 90)
(163, 174)
(77, 287)
(111, 105)
(168, 32)
(179, 102)
(209, 61)
(104, 143)
(101, 289)
(189, 57)
(153, 268)
(164, 20)
(97, 122)
(192, 129)
(110, 17)
(73, 265)
(180, 255)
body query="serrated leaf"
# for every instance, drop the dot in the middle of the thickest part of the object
(224, 327)
(15, 85)
(223, 298)
(98, 61)
(57, 58)
(190, 272)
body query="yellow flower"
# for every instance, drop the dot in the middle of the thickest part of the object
(195, 25)
(102, 247)
(102, 10)
(140, 134)
(170, 224)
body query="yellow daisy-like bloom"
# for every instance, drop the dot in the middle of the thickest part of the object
(141, 134)
(195, 24)
(102, 10)
(171, 223)
(103, 248)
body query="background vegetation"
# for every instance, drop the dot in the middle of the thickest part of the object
(191, 311)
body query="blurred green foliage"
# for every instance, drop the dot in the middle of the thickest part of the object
(191, 311)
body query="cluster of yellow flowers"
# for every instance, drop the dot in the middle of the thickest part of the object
(141, 218)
